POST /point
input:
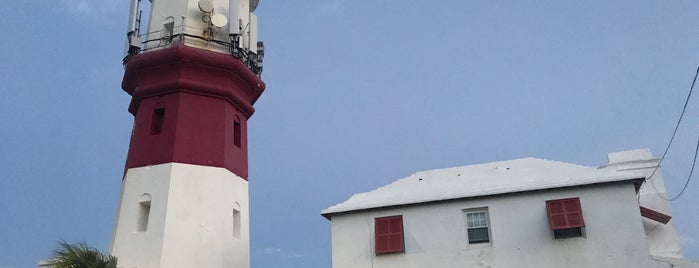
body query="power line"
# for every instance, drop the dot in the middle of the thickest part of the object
(672, 138)
(689, 177)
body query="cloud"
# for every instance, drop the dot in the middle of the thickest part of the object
(283, 253)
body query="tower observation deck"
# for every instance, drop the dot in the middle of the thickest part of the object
(225, 26)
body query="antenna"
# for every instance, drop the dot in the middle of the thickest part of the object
(133, 41)
(219, 20)
(253, 5)
(206, 6)
(133, 16)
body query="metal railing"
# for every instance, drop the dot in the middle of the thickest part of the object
(179, 35)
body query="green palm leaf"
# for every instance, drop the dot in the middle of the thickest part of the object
(80, 255)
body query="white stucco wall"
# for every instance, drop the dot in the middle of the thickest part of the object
(191, 218)
(435, 233)
(663, 240)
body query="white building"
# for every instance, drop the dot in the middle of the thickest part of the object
(520, 213)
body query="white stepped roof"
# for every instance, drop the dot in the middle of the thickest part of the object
(519, 175)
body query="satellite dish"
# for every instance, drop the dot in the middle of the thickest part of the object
(219, 20)
(253, 5)
(206, 6)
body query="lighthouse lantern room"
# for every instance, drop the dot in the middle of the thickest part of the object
(192, 68)
(226, 26)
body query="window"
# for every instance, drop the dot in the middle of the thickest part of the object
(236, 221)
(565, 217)
(389, 234)
(477, 225)
(143, 212)
(156, 124)
(236, 133)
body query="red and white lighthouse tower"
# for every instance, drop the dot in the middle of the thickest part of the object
(193, 74)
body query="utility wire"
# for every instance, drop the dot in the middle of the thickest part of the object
(689, 177)
(672, 138)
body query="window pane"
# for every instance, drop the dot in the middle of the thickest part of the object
(478, 235)
(476, 219)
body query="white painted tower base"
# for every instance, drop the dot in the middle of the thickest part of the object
(182, 216)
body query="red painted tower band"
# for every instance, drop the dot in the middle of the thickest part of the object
(190, 106)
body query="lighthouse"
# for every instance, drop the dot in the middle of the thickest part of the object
(192, 68)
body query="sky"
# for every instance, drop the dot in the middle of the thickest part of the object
(359, 94)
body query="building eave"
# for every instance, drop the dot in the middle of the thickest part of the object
(328, 213)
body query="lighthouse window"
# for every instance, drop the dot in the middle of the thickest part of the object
(236, 223)
(236, 133)
(156, 126)
(143, 212)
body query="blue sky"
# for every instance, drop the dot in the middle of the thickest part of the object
(359, 94)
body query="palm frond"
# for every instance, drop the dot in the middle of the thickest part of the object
(80, 255)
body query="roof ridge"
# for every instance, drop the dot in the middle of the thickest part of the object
(503, 161)
(562, 162)
(514, 175)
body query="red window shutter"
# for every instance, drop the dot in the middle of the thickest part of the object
(655, 215)
(388, 233)
(565, 213)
